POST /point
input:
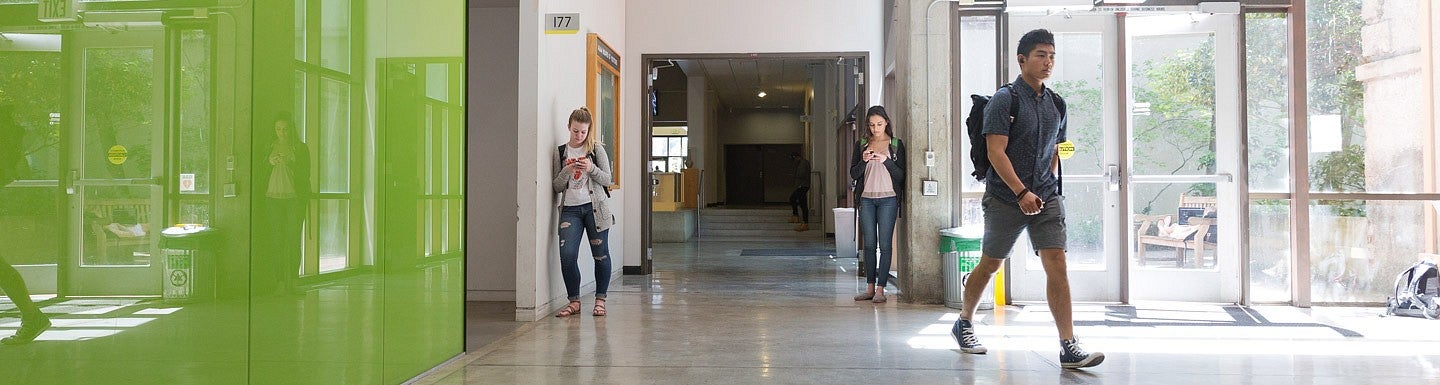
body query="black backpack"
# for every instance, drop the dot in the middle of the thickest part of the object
(1415, 292)
(975, 124)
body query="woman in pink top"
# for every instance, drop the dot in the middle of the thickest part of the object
(877, 166)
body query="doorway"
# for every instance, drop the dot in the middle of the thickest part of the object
(117, 156)
(1152, 210)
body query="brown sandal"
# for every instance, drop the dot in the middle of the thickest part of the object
(599, 308)
(569, 309)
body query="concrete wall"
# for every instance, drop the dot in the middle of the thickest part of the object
(762, 127)
(492, 155)
(547, 94)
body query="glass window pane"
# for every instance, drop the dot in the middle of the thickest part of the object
(437, 81)
(657, 165)
(1267, 102)
(335, 35)
(36, 102)
(300, 110)
(1079, 79)
(334, 159)
(659, 146)
(334, 234)
(300, 32)
(1357, 247)
(1346, 68)
(977, 77)
(676, 164)
(1270, 250)
(677, 146)
(195, 133)
(1173, 112)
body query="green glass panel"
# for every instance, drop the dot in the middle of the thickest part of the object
(256, 137)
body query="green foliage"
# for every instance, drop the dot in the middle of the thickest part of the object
(1342, 171)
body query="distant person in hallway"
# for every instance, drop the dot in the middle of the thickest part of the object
(877, 166)
(1022, 191)
(286, 203)
(800, 198)
(12, 153)
(582, 180)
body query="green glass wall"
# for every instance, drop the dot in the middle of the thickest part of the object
(217, 192)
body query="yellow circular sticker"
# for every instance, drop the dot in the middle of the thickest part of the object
(1067, 149)
(117, 154)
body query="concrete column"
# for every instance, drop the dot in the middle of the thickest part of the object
(917, 253)
(695, 117)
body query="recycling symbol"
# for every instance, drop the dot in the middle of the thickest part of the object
(179, 278)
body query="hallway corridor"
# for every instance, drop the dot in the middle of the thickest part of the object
(740, 312)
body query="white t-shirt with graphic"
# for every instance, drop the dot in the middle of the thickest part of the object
(578, 192)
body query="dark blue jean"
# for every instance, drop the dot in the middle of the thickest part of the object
(575, 221)
(877, 225)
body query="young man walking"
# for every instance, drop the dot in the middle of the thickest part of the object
(1022, 191)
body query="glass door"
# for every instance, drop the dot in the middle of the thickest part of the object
(116, 150)
(1086, 46)
(1182, 139)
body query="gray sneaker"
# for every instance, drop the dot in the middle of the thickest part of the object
(964, 333)
(1073, 357)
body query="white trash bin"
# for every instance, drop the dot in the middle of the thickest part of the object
(845, 233)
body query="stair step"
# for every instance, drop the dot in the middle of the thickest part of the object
(786, 225)
(746, 212)
(780, 233)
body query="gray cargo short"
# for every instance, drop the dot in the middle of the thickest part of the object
(1004, 222)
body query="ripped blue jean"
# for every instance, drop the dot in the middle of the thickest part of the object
(574, 222)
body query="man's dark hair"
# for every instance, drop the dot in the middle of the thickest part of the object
(1034, 38)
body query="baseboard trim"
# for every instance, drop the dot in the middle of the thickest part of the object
(632, 270)
(490, 295)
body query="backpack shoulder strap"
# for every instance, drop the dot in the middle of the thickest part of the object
(1014, 107)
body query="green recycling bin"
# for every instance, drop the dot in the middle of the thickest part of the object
(189, 263)
(961, 248)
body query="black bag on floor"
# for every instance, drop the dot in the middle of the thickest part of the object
(1416, 290)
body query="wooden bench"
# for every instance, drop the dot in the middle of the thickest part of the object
(102, 214)
(1196, 242)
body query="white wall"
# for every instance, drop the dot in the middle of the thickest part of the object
(762, 127)
(492, 154)
(547, 94)
(739, 26)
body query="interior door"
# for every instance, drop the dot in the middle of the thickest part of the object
(1086, 47)
(1183, 97)
(116, 150)
(744, 175)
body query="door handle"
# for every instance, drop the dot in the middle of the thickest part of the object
(1112, 177)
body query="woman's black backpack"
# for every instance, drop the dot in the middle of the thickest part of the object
(1415, 292)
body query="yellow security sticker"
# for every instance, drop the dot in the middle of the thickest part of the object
(117, 154)
(1067, 150)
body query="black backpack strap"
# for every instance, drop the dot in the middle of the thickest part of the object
(1064, 123)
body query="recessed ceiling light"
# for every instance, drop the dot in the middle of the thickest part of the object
(761, 94)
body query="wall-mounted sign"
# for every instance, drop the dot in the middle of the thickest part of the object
(117, 155)
(607, 54)
(562, 23)
(58, 10)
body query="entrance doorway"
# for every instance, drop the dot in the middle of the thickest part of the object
(1151, 203)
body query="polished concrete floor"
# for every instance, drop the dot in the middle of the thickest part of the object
(738, 313)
